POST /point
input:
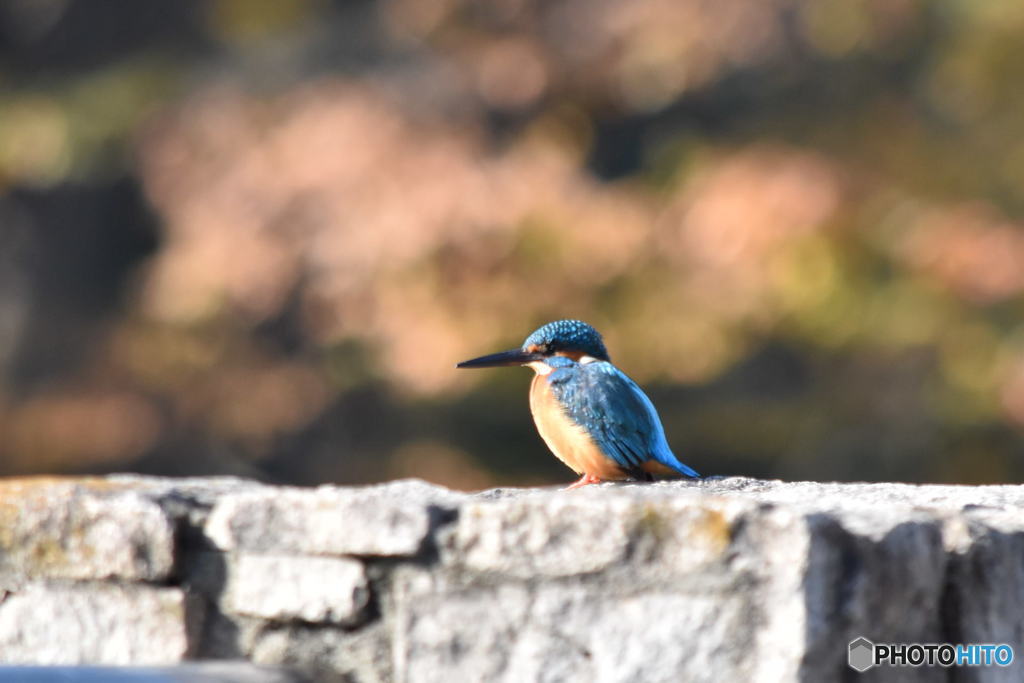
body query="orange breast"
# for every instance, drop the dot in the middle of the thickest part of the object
(566, 439)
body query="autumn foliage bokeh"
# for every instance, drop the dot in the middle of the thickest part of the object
(255, 237)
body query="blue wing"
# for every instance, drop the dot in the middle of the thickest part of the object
(616, 413)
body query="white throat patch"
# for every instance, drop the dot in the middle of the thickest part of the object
(541, 368)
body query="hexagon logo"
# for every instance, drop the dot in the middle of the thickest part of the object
(862, 654)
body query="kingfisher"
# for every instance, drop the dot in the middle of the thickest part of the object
(591, 415)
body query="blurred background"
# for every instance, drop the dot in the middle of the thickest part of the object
(253, 237)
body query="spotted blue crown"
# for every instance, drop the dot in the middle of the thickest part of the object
(567, 335)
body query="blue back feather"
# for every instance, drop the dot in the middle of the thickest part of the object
(614, 411)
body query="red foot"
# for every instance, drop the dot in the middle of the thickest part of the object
(583, 481)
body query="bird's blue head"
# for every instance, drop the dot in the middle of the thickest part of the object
(571, 338)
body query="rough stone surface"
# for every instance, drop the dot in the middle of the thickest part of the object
(313, 589)
(729, 579)
(386, 520)
(95, 624)
(90, 529)
(324, 654)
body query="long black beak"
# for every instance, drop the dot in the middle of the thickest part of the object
(513, 357)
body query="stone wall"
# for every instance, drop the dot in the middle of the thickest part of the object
(717, 580)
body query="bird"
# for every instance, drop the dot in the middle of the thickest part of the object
(591, 415)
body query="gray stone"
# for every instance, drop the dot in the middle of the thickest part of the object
(549, 534)
(757, 580)
(711, 580)
(387, 520)
(568, 632)
(314, 589)
(327, 654)
(81, 529)
(985, 586)
(95, 623)
(676, 591)
(539, 536)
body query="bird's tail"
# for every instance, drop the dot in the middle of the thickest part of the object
(666, 457)
(686, 469)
